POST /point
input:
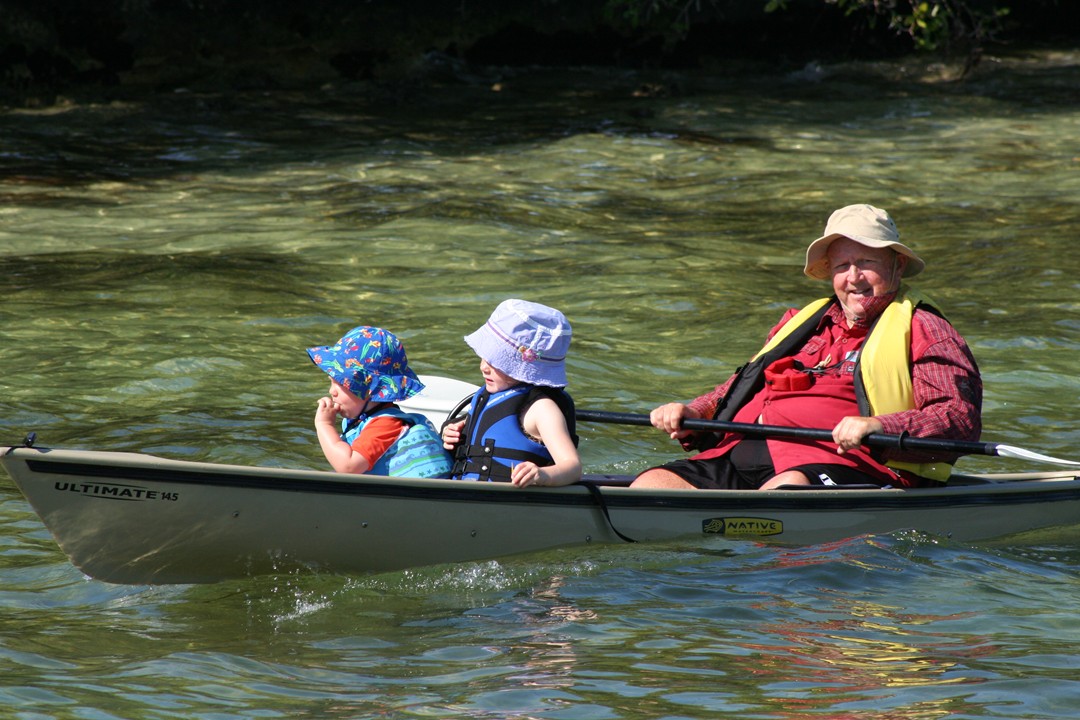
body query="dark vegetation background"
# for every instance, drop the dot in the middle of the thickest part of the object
(104, 48)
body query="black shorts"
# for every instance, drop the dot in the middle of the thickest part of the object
(749, 466)
(828, 474)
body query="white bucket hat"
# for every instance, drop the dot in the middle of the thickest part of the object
(526, 340)
(864, 224)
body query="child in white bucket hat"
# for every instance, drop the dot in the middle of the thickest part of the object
(369, 372)
(520, 425)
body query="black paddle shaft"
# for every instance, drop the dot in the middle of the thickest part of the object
(896, 442)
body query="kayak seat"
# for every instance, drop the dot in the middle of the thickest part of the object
(602, 480)
(606, 480)
(955, 480)
(852, 486)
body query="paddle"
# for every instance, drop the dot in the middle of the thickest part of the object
(897, 442)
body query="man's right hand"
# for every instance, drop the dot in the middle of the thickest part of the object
(669, 418)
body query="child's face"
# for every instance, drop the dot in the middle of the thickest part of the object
(496, 380)
(346, 403)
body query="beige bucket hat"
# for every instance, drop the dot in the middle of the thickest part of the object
(864, 224)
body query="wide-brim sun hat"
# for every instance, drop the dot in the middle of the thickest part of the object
(526, 340)
(370, 363)
(865, 224)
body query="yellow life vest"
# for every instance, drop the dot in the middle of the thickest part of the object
(884, 365)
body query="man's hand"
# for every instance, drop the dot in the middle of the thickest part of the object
(669, 418)
(850, 431)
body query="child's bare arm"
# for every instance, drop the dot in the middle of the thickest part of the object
(544, 420)
(338, 453)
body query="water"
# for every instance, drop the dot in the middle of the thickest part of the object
(165, 259)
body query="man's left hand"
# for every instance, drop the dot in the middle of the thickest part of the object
(850, 431)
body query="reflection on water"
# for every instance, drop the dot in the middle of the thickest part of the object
(165, 260)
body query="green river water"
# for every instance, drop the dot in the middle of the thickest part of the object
(165, 260)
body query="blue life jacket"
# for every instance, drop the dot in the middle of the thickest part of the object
(493, 441)
(418, 452)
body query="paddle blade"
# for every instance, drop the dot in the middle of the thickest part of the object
(1022, 454)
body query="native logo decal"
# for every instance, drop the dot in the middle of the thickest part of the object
(742, 526)
(115, 491)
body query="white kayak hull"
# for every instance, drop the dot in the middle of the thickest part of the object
(139, 519)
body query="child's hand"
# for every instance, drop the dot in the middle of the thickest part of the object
(525, 474)
(326, 412)
(451, 434)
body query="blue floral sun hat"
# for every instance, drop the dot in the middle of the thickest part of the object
(370, 363)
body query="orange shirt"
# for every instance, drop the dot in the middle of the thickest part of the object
(377, 437)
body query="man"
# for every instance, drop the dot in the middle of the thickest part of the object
(875, 357)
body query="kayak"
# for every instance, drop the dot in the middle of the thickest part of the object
(139, 519)
(134, 518)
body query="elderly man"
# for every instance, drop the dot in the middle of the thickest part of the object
(876, 356)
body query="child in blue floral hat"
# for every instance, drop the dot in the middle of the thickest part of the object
(369, 372)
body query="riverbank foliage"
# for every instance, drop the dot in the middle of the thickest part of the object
(51, 47)
(934, 25)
